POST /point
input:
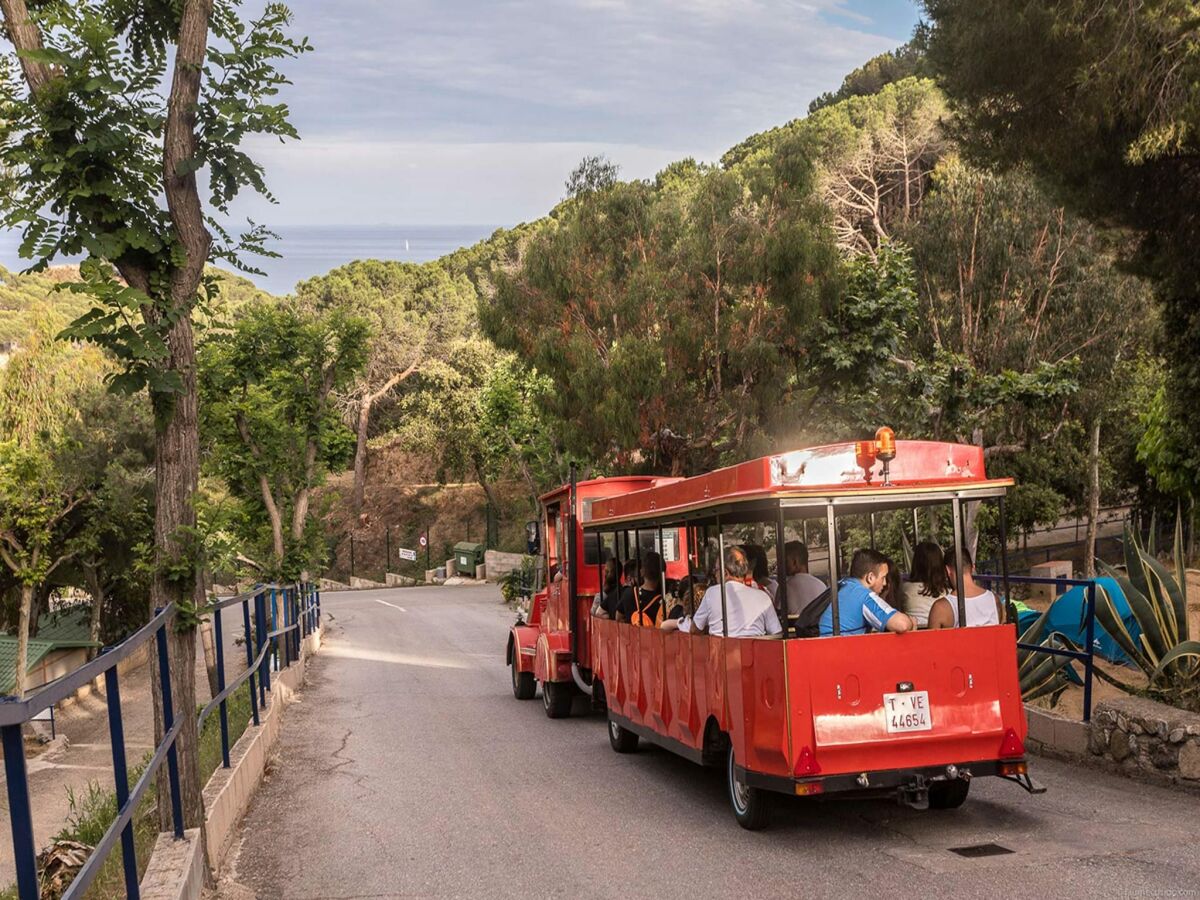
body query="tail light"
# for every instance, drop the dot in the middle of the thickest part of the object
(1014, 768)
(807, 764)
(809, 788)
(1011, 745)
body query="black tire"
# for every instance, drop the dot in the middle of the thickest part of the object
(621, 738)
(948, 794)
(751, 806)
(557, 697)
(524, 685)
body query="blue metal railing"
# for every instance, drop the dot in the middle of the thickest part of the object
(1087, 654)
(301, 605)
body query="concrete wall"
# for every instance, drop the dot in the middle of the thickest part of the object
(176, 870)
(500, 564)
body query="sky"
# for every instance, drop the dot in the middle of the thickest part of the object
(475, 111)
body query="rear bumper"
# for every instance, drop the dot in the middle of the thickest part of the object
(880, 781)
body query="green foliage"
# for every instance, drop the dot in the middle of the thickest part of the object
(878, 72)
(1103, 108)
(84, 160)
(667, 315)
(1157, 597)
(268, 422)
(518, 583)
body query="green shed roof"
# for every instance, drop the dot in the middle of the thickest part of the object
(8, 659)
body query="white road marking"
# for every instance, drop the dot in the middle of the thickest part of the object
(392, 605)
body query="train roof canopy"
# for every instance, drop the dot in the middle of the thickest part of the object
(801, 482)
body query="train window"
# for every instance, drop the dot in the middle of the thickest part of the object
(591, 549)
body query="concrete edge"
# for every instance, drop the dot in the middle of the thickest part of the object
(1067, 740)
(177, 868)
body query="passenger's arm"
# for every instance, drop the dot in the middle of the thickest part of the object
(900, 623)
(940, 614)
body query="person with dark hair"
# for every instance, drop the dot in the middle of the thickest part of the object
(981, 605)
(891, 589)
(751, 613)
(926, 584)
(860, 606)
(802, 588)
(625, 597)
(760, 569)
(605, 604)
(645, 602)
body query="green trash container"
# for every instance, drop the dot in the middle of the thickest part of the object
(467, 556)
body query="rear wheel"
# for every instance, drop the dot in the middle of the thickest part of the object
(948, 794)
(524, 685)
(751, 805)
(556, 698)
(621, 738)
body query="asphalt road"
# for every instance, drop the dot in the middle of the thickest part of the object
(407, 769)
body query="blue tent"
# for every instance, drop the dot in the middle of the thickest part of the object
(1067, 616)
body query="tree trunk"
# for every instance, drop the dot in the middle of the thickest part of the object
(360, 454)
(23, 639)
(96, 589)
(208, 643)
(177, 468)
(1093, 513)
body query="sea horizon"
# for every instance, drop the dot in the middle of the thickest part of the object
(310, 250)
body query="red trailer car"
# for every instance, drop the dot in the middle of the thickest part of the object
(915, 715)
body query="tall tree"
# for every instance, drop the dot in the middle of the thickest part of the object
(268, 414)
(1103, 107)
(666, 314)
(115, 110)
(416, 314)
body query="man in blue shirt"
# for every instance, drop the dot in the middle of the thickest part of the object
(860, 608)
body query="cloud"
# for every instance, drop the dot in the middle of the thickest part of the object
(515, 91)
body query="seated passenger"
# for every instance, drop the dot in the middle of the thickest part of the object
(605, 604)
(760, 569)
(750, 611)
(625, 597)
(981, 604)
(891, 590)
(802, 588)
(860, 608)
(645, 603)
(926, 584)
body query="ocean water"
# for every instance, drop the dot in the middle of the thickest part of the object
(308, 250)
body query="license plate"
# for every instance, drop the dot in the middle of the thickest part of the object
(908, 711)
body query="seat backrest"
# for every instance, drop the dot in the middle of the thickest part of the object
(808, 623)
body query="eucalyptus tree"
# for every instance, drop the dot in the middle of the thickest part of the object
(110, 114)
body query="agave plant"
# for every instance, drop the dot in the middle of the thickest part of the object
(1044, 674)
(1157, 598)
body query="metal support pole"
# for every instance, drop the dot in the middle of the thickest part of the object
(387, 552)
(831, 524)
(781, 577)
(916, 528)
(872, 517)
(19, 813)
(721, 572)
(956, 517)
(1091, 650)
(260, 631)
(250, 658)
(168, 707)
(273, 655)
(1004, 558)
(352, 554)
(221, 687)
(116, 733)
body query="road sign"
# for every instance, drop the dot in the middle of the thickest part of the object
(410, 555)
(423, 541)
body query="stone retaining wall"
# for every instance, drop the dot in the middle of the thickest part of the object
(1146, 738)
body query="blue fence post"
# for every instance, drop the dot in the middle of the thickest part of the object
(19, 813)
(221, 687)
(274, 654)
(1091, 650)
(250, 658)
(297, 618)
(116, 733)
(164, 675)
(286, 643)
(260, 628)
(317, 590)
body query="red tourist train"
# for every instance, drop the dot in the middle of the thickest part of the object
(917, 715)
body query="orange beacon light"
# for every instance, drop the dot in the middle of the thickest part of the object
(885, 450)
